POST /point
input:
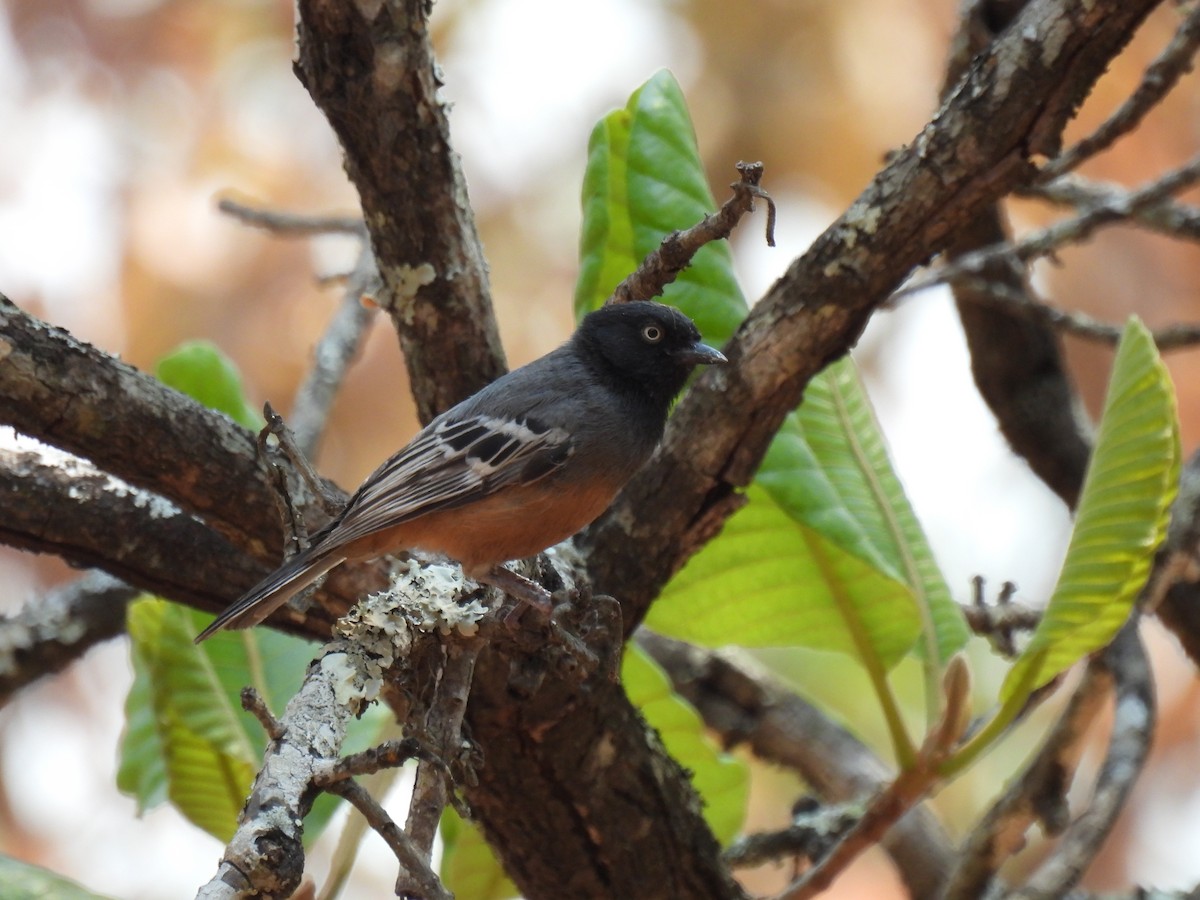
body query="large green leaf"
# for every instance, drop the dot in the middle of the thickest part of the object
(829, 469)
(770, 580)
(22, 881)
(644, 179)
(200, 370)
(721, 780)
(1131, 480)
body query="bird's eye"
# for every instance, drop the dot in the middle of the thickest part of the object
(652, 334)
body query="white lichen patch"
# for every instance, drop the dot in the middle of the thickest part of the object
(424, 597)
(349, 688)
(407, 280)
(432, 595)
(860, 217)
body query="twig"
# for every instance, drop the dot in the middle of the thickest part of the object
(882, 813)
(810, 836)
(1169, 217)
(1169, 337)
(354, 829)
(908, 788)
(1126, 666)
(426, 884)
(253, 703)
(291, 224)
(387, 755)
(1039, 793)
(343, 337)
(338, 347)
(998, 622)
(745, 706)
(445, 729)
(1072, 230)
(1161, 76)
(331, 499)
(675, 252)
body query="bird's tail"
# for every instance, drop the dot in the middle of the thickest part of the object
(273, 591)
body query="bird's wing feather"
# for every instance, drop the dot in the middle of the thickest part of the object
(452, 462)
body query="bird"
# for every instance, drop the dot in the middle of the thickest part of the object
(517, 467)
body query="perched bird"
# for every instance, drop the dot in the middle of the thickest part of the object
(516, 468)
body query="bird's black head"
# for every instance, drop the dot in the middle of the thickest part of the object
(650, 347)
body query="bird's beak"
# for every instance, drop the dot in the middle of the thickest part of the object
(699, 354)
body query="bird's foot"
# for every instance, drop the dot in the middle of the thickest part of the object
(528, 592)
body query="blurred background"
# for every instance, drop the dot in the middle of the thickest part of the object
(124, 121)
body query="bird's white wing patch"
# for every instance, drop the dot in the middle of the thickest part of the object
(452, 463)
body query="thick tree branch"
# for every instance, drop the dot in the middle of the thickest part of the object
(1016, 358)
(575, 793)
(67, 507)
(182, 455)
(370, 68)
(69, 394)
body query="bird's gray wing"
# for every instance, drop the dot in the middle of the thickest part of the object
(452, 462)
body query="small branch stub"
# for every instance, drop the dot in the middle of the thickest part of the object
(678, 248)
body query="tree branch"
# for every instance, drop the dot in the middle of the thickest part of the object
(675, 252)
(52, 631)
(265, 857)
(745, 706)
(370, 69)
(1128, 669)
(1039, 793)
(1161, 76)
(1016, 359)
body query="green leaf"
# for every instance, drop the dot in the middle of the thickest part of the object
(193, 750)
(770, 580)
(1131, 480)
(469, 867)
(829, 469)
(644, 179)
(141, 772)
(23, 881)
(722, 781)
(200, 370)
